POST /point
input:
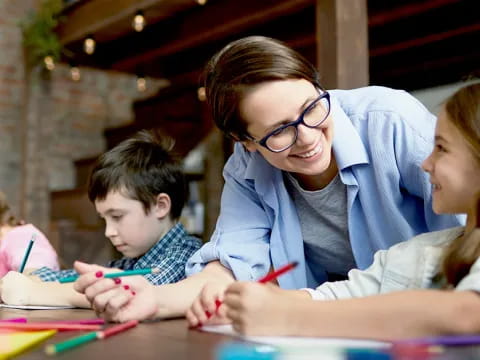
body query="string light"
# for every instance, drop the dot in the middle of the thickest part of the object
(75, 73)
(139, 22)
(201, 94)
(49, 62)
(89, 45)
(141, 83)
(201, 2)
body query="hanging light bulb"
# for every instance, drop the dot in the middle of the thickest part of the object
(139, 22)
(201, 2)
(75, 72)
(141, 83)
(89, 45)
(202, 96)
(49, 62)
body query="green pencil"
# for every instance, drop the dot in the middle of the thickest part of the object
(132, 272)
(71, 343)
(116, 274)
(27, 254)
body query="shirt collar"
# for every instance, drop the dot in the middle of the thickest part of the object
(347, 145)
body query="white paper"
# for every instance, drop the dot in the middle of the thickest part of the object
(289, 342)
(35, 307)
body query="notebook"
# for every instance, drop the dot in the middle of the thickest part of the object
(15, 342)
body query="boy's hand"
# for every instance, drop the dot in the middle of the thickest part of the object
(260, 309)
(16, 289)
(208, 307)
(125, 299)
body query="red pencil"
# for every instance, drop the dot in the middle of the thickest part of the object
(116, 329)
(269, 277)
(274, 274)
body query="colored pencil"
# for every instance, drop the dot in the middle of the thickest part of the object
(132, 272)
(91, 336)
(96, 321)
(27, 254)
(47, 326)
(269, 277)
(15, 320)
(274, 274)
(70, 343)
(116, 329)
(116, 274)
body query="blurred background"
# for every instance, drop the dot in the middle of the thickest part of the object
(77, 77)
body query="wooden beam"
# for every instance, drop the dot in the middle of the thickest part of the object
(204, 26)
(408, 44)
(97, 15)
(342, 43)
(407, 11)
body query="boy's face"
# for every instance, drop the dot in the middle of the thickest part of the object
(130, 230)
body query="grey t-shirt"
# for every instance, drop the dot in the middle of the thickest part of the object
(324, 225)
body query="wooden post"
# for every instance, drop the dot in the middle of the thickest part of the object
(342, 43)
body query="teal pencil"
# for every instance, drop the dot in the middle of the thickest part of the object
(71, 343)
(132, 272)
(27, 254)
(116, 274)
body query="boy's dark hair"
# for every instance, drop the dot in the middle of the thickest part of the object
(143, 166)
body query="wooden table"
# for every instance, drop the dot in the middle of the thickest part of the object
(168, 339)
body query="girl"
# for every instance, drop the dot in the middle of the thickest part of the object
(444, 263)
(14, 239)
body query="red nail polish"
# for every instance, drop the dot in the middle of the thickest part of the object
(117, 280)
(218, 303)
(126, 287)
(208, 314)
(99, 274)
(133, 292)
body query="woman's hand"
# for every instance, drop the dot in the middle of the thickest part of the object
(120, 299)
(208, 307)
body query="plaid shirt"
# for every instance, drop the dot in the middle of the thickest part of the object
(169, 254)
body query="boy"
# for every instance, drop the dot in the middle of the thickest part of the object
(139, 189)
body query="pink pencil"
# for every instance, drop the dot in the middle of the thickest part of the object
(15, 320)
(96, 321)
(47, 326)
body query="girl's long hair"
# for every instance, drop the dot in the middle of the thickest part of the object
(463, 110)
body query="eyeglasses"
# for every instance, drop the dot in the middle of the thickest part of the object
(286, 135)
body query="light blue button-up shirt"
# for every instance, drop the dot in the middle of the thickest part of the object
(381, 137)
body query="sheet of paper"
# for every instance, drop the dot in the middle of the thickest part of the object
(288, 342)
(35, 307)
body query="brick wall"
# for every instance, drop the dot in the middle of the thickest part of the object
(47, 120)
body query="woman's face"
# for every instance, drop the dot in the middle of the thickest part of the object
(272, 104)
(454, 172)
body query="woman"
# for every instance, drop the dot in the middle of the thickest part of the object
(386, 301)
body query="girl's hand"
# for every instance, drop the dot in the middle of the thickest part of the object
(208, 307)
(120, 299)
(16, 289)
(259, 309)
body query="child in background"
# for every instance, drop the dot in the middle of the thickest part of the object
(391, 303)
(15, 237)
(139, 189)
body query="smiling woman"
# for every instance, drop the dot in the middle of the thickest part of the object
(348, 181)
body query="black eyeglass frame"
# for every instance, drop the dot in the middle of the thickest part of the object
(296, 123)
